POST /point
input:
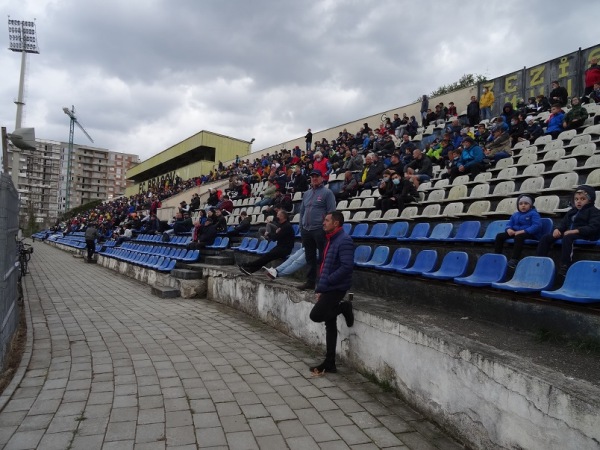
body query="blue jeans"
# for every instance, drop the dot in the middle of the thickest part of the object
(264, 202)
(486, 113)
(500, 155)
(295, 261)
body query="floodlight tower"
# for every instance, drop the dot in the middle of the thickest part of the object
(22, 38)
(74, 121)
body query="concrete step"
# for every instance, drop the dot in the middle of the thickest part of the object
(220, 260)
(186, 274)
(165, 292)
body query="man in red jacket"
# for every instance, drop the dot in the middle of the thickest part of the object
(592, 76)
(334, 280)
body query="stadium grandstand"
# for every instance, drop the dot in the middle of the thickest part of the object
(450, 212)
(438, 246)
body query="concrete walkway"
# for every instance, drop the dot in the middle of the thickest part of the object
(112, 367)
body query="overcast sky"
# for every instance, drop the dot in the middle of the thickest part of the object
(146, 74)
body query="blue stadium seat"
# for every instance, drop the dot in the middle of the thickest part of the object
(360, 230)
(168, 266)
(216, 243)
(296, 228)
(581, 285)
(453, 265)
(192, 256)
(495, 227)
(398, 229)
(424, 262)
(490, 268)
(252, 245)
(400, 260)
(243, 244)
(440, 232)
(362, 253)
(378, 231)
(347, 227)
(379, 258)
(159, 263)
(533, 273)
(419, 230)
(260, 248)
(466, 231)
(270, 246)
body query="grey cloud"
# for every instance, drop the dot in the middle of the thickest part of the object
(142, 74)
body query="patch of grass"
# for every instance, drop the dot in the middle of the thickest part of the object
(582, 345)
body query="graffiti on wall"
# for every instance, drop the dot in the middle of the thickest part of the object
(568, 70)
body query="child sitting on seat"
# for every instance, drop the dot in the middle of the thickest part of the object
(525, 223)
(582, 221)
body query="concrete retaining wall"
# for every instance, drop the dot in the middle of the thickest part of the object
(488, 398)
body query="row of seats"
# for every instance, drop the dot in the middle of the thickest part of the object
(74, 242)
(533, 274)
(179, 254)
(254, 245)
(154, 262)
(158, 238)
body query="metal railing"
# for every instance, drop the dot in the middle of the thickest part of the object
(9, 270)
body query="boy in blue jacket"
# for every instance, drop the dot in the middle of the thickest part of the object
(470, 161)
(335, 279)
(525, 223)
(555, 121)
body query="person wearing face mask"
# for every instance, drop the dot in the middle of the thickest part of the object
(485, 103)
(385, 190)
(321, 164)
(402, 192)
(517, 129)
(508, 112)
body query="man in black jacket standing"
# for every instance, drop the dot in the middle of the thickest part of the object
(473, 111)
(284, 235)
(558, 94)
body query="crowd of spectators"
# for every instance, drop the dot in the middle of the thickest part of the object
(385, 158)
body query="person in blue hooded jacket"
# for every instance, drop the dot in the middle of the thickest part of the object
(525, 223)
(555, 121)
(335, 279)
(470, 161)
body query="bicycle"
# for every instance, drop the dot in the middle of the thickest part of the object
(24, 250)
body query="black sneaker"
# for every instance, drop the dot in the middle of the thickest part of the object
(244, 270)
(346, 308)
(322, 369)
(512, 263)
(306, 285)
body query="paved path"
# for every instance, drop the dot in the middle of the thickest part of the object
(113, 367)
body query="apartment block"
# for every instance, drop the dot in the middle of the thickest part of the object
(96, 174)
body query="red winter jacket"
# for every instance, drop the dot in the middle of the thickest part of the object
(592, 75)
